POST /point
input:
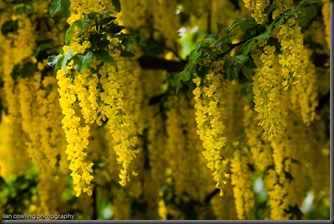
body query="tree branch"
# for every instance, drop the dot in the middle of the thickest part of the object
(150, 62)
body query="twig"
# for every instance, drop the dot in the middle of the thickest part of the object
(151, 62)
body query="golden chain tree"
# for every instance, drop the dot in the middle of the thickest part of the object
(165, 109)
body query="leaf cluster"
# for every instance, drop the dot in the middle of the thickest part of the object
(98, 27)
(15, 190)
(238, 65)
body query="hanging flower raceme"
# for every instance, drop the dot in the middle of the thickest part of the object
(242, 184)
(76, 135)
(268, 93)
(304, 96)
(326, 18)
(261, 151)
(270, 101)
(208, 96)
(256, 7)
(93, 88)
(291, 39)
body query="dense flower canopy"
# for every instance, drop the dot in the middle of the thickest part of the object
(165, 109)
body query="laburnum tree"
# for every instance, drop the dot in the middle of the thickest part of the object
(165, 109)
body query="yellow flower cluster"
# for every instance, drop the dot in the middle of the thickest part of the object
(80, 8)
(199, 181)
(233, 112)
(283, 5)
(70, 90)
(5, 149)
(78, 43)
(162, 210)
(118, 108)
(165, 16)
(76, 135)
(107, 95)
(277, 190)
(257, 7)
(242, 184)
(87, 93)
(14, 48)
(229, 9)
(261, 152)
(176, 143)
(268, 95)
(40, 118)
(304, 96)
(137, 13)
(299, 144)
(291, 39)
(208, 96)
(184, 150)
(326, 18)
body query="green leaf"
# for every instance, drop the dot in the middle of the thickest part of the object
(94, 39)
(59, 62)
(248, 46)
(104, 56)
(66, 57)
(81, 24)
(246, 24)
(270, 8)
(77, 62)
(263, 36)
(85, 59)
(248, 72)
(176, 80)
(127, 54)
(230, 28)
(126, 36)
(224, 40)
(106, 20)
(228, 64)
(232, 73)
(310, 11)
(107, 12)
(213, 36)
(279, 21)
(92, 15)
(55, 7)
(195, 55)
(117, 5)
(198, 45)
(185, 75)
(220, 27)
(114, 29)
(103, 44)
(241, 59)
(208, 50)
(209, 40)
(68, 33)
(52, 60)
(65, 8)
